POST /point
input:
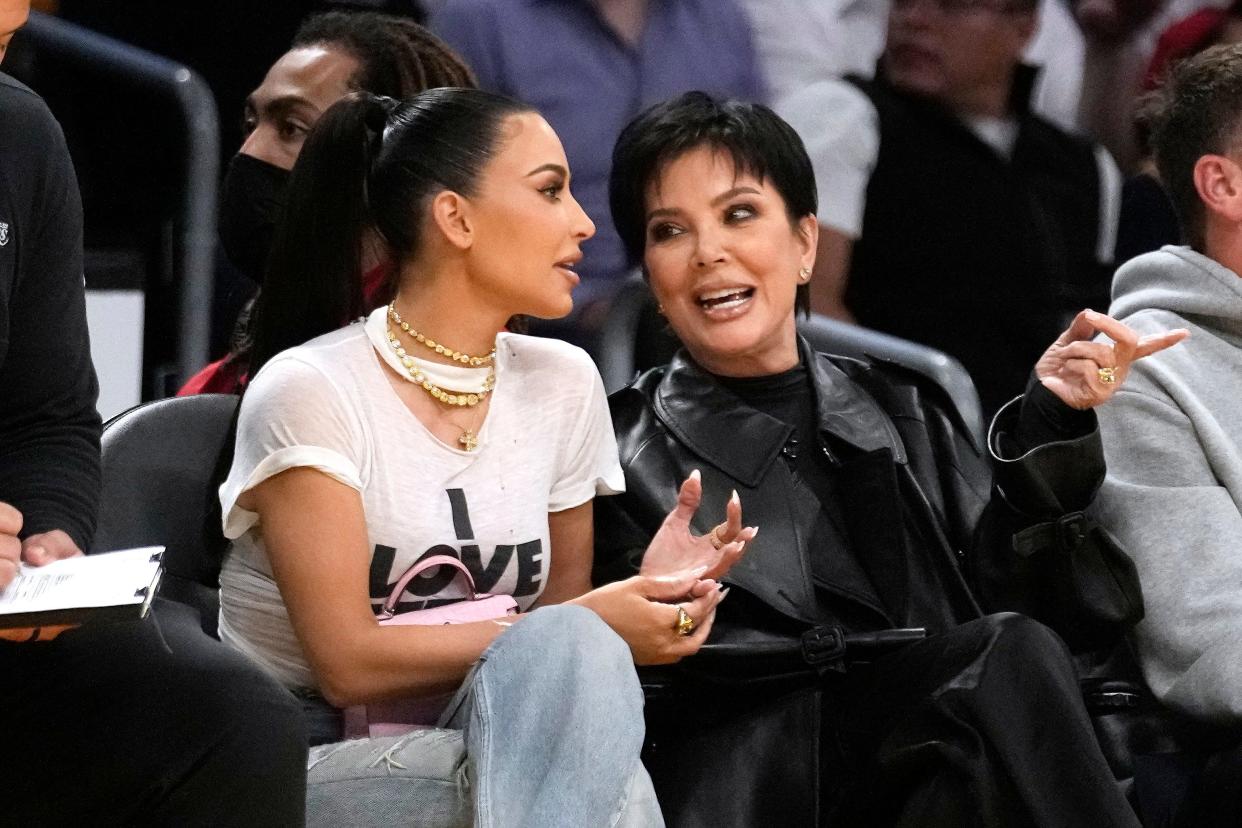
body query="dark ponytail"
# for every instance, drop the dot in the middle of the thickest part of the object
(370, 164)
(313, 282)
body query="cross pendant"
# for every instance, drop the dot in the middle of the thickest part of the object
(468, 441)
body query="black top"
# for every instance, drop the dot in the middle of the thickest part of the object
(49, 428)
(790, 398)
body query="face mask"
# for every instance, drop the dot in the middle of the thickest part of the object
(252, 198)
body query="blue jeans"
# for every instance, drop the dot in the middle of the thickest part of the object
(546, 730)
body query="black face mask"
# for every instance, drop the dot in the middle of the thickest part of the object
(252, 198)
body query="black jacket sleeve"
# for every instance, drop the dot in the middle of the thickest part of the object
(1035, 550)
(49, 427)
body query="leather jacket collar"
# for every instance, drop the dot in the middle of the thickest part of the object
(743, 442)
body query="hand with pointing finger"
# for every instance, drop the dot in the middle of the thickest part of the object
(1084, 373)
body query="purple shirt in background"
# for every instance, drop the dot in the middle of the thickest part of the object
(563, 58)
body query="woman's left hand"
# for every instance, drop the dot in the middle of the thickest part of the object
(676, 550)
(1083, 373)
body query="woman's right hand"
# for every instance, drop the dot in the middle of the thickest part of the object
(643, 611)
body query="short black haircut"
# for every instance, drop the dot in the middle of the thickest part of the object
(397, 57)
(1199, 113)
(753, 136)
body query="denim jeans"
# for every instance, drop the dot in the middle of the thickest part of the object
(545, 731)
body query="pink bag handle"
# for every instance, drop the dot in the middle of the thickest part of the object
(390, 606)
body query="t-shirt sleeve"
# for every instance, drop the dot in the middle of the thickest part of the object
(591, 466)
(292, 416)
(840, 128)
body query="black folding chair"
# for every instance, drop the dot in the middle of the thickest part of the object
(158, 460)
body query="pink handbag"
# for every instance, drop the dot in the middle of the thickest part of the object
(400, 716)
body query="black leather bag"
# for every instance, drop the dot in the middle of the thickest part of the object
(1071, 575)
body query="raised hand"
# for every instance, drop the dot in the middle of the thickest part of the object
(675, 549)
(1084, 373)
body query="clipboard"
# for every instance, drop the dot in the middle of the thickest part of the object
(107, 587)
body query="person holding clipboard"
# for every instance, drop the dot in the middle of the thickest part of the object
(146, 721)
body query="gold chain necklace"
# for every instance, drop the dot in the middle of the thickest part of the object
(468, 440)
(456, 356)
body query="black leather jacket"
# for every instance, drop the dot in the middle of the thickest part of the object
(942, 533)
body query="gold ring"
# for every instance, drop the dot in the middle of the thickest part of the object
(714, 538)
(1108, 376)
(684, 624)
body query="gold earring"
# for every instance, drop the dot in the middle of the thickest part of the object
(804, 274)
(659, 308)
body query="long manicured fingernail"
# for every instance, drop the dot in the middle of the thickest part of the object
(724, 593)
(694, 475)
(734, 497)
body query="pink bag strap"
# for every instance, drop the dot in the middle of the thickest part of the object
(390, 606)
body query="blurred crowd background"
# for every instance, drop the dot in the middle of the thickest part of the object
(590, 65)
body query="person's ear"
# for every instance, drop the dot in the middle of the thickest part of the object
(1218, 180)
(808, 241)
(450, 212)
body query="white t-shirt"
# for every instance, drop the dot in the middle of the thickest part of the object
(547, 445)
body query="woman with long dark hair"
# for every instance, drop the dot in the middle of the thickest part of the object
(422, 431)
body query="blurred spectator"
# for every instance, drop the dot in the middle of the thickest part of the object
(332, 54)
(803, 41)
(1148, 221)
(983, 226)
(589, 66)
(1121, 38)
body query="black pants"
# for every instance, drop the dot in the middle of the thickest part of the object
(981, 726)
(106, 725)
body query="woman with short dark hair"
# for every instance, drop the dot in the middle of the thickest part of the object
(876, 514)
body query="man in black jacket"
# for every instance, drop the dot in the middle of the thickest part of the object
(149, 721)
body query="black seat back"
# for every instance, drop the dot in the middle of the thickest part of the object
(158, 461)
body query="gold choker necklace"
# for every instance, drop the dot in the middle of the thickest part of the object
(456, 356)
(419, 378)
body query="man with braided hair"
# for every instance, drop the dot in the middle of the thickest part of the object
(332, 54)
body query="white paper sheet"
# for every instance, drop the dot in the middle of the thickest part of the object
(107, 580)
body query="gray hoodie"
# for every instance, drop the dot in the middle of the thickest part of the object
(1173, 495)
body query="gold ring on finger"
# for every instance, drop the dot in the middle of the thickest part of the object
(684, 624)
(1108, 376)
(714, 538)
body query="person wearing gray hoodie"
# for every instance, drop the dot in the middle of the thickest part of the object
(1173, 436)
(1173, 494)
